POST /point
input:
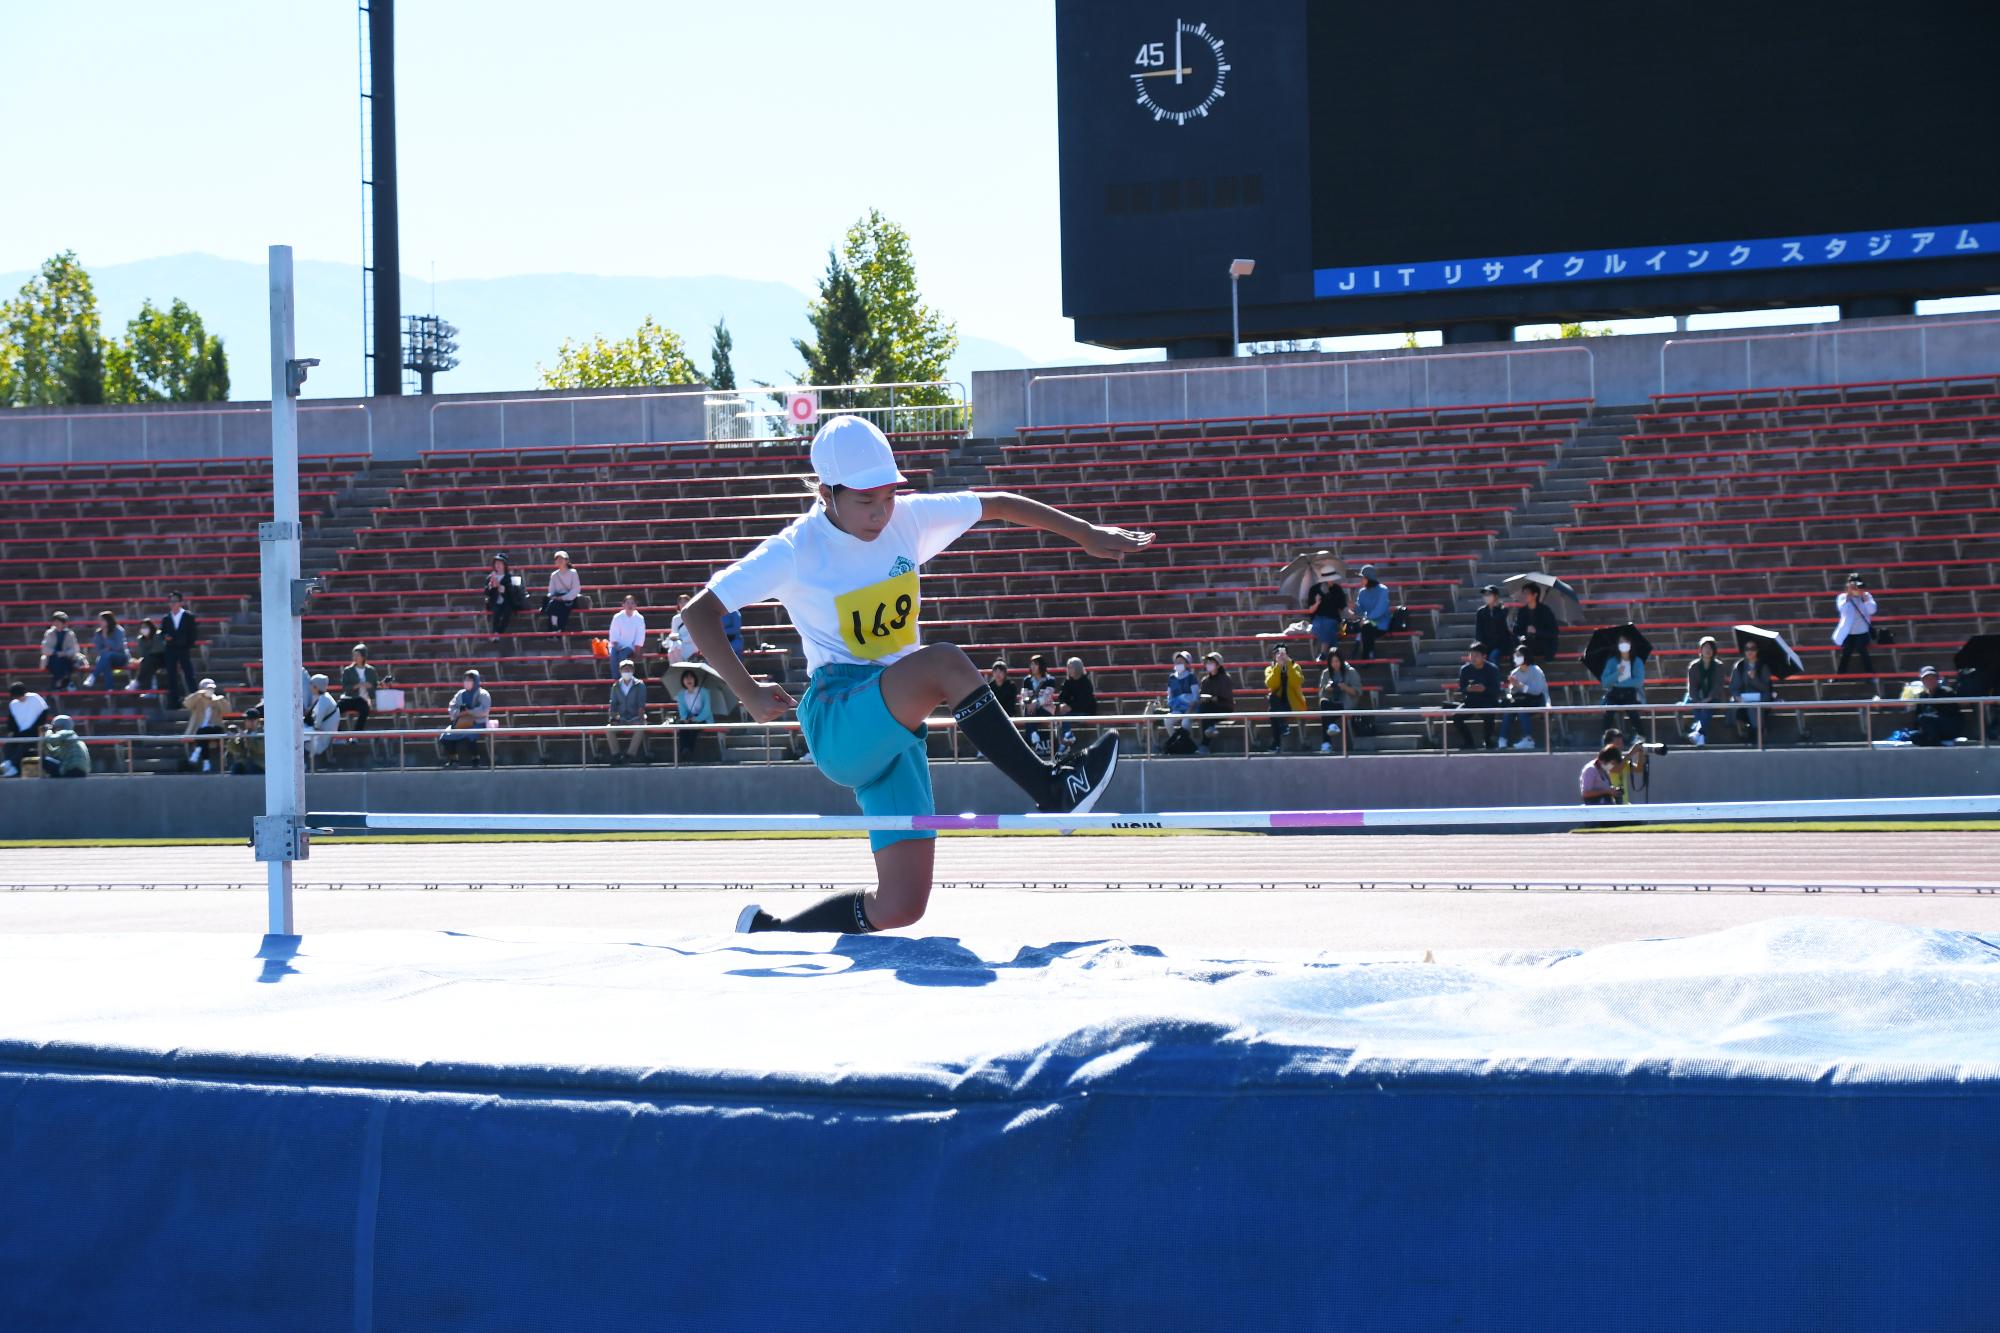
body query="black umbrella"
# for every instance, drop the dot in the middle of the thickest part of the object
(1558, 596)
(1773, 653)
(1981, 653)
(1604, 646)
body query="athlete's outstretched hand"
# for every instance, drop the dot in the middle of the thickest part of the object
(1114, 543)
(767, 703)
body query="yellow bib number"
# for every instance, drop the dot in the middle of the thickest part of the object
(881, 618)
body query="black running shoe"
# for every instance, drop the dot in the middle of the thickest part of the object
(1079, 784)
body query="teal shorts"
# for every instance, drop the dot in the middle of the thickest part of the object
(857, 741)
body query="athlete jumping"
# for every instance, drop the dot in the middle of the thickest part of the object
(847, 571)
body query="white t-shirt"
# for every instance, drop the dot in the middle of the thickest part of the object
(628, 630)
(26, 708)
(851, 601)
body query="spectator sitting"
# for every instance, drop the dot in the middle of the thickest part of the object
(1527, 687)
(26, 712)
(1599, 782)
(693, 710)
(108, 652)
(1339, 693)
(469, 709)
(1183, 693)
(1749, 683)
(732, 630)
(1326, 602)
(1003, 686)
(64, 755)
(1285, 692)
(206, 707)
(628, 714)
(1855, 631)
(1478, 692)
(503, 594)
(60, 650)
(1536, 623)
(149, 650)
(1038, 697)
(1489, 625)
(322, 720)
(358, 680)
(565, 586)
(182, 633)
(1937, 719)
(1076, 696)
(243, 747)
(1705, 685)
(628, 637)
(1218, 696)
(1375, 608)
(1624, 681)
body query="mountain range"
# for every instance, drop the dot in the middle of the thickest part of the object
(507, 326)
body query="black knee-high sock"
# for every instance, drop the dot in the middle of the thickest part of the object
(842, 914)
(986, 724)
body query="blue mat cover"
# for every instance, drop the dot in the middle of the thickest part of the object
(1784, 1126)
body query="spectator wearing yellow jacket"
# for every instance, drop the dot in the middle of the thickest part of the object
(1285, 686)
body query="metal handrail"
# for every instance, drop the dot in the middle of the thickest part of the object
(27, 421)
(1151, 724)
(1920, 327)
(1346, 364)
(646, 397)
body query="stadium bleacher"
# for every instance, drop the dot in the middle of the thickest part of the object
(1703, 511)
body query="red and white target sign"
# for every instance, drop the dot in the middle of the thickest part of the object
(802, 408)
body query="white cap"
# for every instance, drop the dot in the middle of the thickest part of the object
(851, 452)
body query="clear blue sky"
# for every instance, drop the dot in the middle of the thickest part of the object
(607, 136)
(604, 136)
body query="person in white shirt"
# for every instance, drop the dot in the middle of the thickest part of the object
(565, 586)
(847, 571)
(1856, 631)
(628, 637)
(322, 719)
(26, 711)
(1527, 687)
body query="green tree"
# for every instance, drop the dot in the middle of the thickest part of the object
(721, 373)
(841, 350)
(166, 357)
(1580, 330)
(909, 341)
(50, 346)
(651, 356)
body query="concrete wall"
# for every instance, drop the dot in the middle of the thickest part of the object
(154, 807)
(1615, 371)
(1619, 370)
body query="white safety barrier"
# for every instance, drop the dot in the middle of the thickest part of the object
(1506, 816)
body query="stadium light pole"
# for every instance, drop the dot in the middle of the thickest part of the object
(1238, 269)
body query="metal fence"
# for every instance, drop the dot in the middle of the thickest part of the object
(1424, 381)
(1922, 348)
(1241, 732)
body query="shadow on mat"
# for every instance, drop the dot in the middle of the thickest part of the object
(929, 961)
(277, 952)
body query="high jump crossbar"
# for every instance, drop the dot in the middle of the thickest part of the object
(1696, 812)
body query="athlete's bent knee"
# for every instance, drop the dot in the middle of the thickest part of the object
(885, 914)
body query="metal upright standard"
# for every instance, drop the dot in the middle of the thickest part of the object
(279, 836)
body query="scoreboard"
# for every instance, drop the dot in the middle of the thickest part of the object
(1400, 166)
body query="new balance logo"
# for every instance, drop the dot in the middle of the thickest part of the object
(1079, 786)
